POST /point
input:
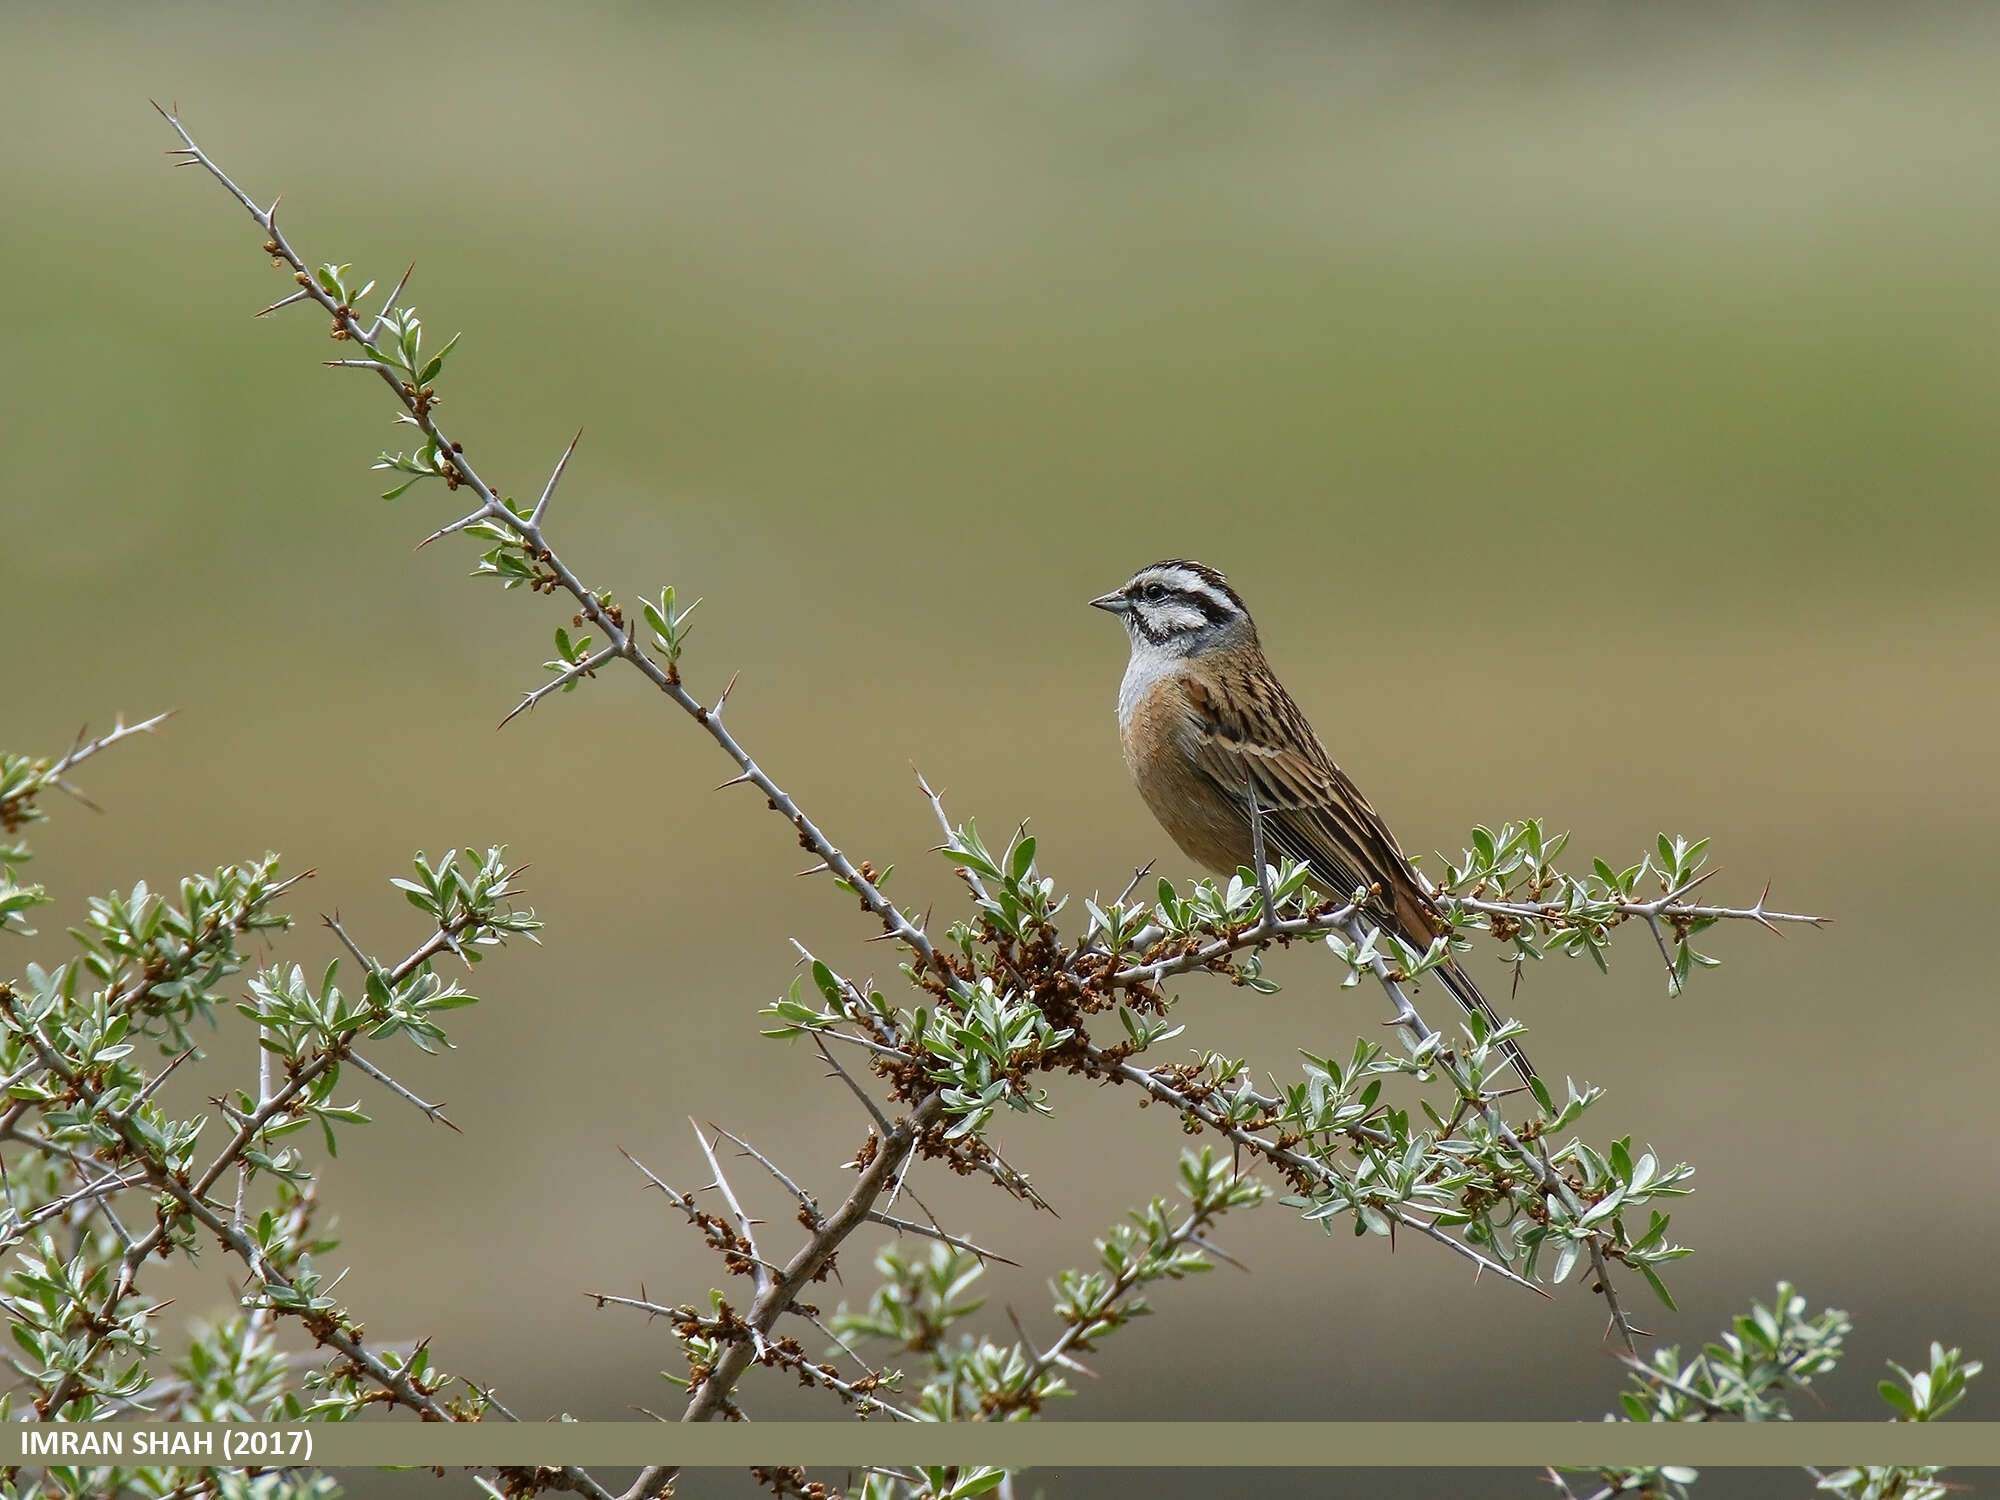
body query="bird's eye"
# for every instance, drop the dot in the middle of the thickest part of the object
(1153, 593)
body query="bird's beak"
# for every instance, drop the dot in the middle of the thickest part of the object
(1118, 604)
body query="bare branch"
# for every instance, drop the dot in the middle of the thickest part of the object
(52, 774)
(930, 1231)
(874, 1111)
(806, 1199)
(433, 1111)
(743, 1220)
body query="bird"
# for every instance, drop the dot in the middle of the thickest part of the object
(1207, 726)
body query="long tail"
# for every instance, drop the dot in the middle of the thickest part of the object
(1467, 994)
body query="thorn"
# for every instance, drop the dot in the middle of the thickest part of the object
(526, 703)
(1223, 1255)
(535, 518)
(459, 525)
(299, 296)
(1702, 879)
(391, 302)
(819, 869)
(1022, 1333)
(75, 795)
(736, 780)
(716, 711)
(1132, 885)
(1757, 912)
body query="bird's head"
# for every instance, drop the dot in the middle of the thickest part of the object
(1179, 607)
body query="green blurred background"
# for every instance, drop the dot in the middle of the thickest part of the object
(1593, 402)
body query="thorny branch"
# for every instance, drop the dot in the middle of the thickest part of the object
(622, 642)
(16, 799)
(620, 639)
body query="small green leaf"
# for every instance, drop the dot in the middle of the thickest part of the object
(1899, 1398)
(1659, 1287)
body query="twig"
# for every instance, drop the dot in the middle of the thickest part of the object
(1669, 907)
(152, 1084)
(588, 667)
(929, 1231)
(683, 1201)
(102, 1187)
(806, 1199)
(1638, 1366)
(1133, 884)
(471, 519)
(874, 1111)
(1218, 949)
(1286, 1157)
(433, 1111)
(296, 1082)
(1121, 1286)
(744, 1222)
(82, 751)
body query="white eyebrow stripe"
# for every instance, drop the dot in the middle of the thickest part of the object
(1187, 581)
(1180, 580)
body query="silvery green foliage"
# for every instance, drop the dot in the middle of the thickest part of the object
(923, 1298)
(1746, 1375)
(1024, 994)
(103, 1181)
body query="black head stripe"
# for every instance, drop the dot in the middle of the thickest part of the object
(1200, 585)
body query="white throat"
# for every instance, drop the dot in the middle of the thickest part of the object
(1149, 663)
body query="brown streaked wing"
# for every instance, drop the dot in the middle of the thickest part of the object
(1312, 810)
